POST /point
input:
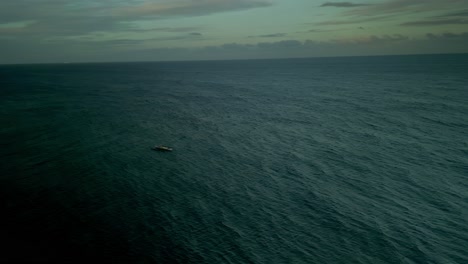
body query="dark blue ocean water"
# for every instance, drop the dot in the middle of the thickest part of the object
(332, 160)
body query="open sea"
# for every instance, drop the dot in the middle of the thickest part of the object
(325, 160)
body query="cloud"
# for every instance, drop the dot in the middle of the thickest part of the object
(452, 18)
(275, 35)
(354, 20)
(342, 4)
(164, 29)
(51, 30)
(281, 44)
(54, 18)
(365, 45)
(438, 22)
(186, 8)
(395, 10)
(463, 13)
(133, 50)
(448, 36)
(323, 30)
(384, 40)
(136, 42)
(408, 7)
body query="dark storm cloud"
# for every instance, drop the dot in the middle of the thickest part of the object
(342, 4)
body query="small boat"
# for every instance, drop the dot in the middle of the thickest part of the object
(162, 148)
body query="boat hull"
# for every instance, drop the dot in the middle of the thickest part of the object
(161, 148)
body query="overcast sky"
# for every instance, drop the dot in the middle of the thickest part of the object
(153, 30)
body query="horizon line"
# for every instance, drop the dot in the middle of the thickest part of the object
(243, 59)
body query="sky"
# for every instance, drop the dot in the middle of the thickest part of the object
(49, 31)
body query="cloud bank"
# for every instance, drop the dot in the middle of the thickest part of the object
(131, 50)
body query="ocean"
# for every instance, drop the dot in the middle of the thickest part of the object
(321, 160)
